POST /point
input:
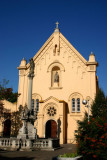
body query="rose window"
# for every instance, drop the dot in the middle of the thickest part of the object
(51, 111)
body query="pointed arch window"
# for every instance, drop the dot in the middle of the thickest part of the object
(32, 106)
(78, 104)
(73, 105)
(33, 102)
(37, 105)
(75, 100)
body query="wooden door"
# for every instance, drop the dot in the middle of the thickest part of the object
(53, 129)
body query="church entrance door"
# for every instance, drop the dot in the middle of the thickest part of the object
(7, 128)
(51, 129)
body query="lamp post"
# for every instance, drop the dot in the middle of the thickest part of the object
(85, 102)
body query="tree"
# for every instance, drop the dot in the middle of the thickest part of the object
(99, 107)
(92, 135)
(15, 117)
(16, 122)
(7, 93)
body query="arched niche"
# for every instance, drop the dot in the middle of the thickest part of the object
(56, 63)
(55, 76)
(55, 70)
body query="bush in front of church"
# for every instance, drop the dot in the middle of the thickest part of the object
(92, 136)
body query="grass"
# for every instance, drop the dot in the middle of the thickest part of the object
(69, 155)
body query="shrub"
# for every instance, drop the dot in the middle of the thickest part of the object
(92, 139)
(69, 155)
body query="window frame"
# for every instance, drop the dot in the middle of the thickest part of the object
(78, 105)
(73, 105)
(37, 105)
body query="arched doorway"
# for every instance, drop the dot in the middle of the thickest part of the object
(7, 128)
(51, 129)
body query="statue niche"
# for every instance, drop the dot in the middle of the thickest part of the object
(55, 76)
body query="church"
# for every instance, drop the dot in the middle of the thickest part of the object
(62, 79)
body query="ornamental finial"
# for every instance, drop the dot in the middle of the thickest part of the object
(57, 23)
(57, 29)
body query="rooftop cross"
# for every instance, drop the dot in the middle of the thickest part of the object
(57, 24)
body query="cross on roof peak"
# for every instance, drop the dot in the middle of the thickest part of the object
(57, 23)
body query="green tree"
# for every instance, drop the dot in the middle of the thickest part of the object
(92, 136)
(7, 93)
(99, 107)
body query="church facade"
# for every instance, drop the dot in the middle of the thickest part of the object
(62, 79)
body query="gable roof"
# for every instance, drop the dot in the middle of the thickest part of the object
(73, 48)
(65, 41)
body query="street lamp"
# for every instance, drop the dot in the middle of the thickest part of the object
(85, 102)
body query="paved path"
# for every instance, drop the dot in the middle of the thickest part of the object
(37, 155)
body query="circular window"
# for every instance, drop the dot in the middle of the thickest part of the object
(51, 111)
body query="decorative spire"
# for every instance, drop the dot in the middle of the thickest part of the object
(23, 62)
(57, 29)
(92, 53)
(91, 57)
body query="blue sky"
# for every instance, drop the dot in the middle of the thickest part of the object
(25, 25)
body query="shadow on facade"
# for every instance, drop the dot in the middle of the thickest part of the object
(7, 128)
(66, 126)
